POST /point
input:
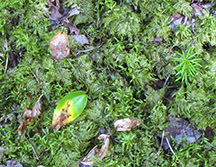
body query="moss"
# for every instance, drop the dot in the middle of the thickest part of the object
(119, 73)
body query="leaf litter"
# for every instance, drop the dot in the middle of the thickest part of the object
(179, 130)
(198, 8)
(59, 43)
(125, 124)
(100, 153)
(12, 163)
(29, 115)
(59, 46)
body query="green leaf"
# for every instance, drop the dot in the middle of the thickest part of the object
(69, 108)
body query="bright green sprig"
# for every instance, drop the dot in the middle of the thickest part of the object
(186, 69)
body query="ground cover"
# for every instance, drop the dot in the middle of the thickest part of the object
(153, 60)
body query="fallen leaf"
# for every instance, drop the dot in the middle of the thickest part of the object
(100, 153)
(69, 108)
(59, 19)
(12, 163)
(176, 20)
(126, 124)
(74, 11)
(207, 5)
(59, 46)
(82, 39)
(209, 133)
(73, 29)
(30, 115)
(179, 130)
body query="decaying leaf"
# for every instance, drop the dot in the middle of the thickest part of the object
(63, 19)
(198, 8)
(12, 163)
(126, 124)
(30, 115)
(100, 153)
(180, 130)
(69, 108)
(59, 46)
(81, 39)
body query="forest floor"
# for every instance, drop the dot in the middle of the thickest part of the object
(145, 71)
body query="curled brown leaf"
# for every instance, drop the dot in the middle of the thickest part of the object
(100, 153)
(126, 124)
(29, 115)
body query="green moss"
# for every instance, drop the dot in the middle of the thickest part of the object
(119, 73)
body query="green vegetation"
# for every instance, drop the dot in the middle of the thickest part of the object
(120, 74)
(186, 67)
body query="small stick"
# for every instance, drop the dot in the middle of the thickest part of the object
(170, 147)
(6, 65)
(166, 81)
(158, 153)
(33, 149)
(38, 80)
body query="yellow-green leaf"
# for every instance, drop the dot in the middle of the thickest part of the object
(69, 108)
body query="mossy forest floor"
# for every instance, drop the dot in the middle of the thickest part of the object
(129, 69)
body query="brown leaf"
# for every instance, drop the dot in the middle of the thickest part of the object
(126, 124)
(74, 11)
(30, 115)
(12, 163)
(179, 130)
(59, 46)
(54, 10)
(104, 149)
(100, 153)
(73, 29)
(82, 39)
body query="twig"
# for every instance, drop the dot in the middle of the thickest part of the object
(87, 50)
(170, 147)
(166, 80)
(38, 80)
(35, 154)
(6, 64)
(158, 153)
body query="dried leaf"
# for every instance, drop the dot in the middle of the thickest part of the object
(30, 115)
(100, 153)
(69, 108)
(207, 5)
(176, 20)
(126, 124)
(54, 10)
(104, 149)
(12, 163)
(73, 29)
(74, 11)
(59, 46)
(82, 39)
(179, 130)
